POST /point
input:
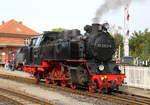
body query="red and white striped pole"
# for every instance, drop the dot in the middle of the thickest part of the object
(126, 31)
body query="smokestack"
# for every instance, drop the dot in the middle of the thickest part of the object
(95, 27)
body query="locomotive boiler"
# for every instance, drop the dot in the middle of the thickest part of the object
(69, 58)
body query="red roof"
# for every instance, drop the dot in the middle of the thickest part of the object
(15, 27)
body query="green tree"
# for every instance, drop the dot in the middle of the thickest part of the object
(140, 44)
(58, 29)
(119, 42)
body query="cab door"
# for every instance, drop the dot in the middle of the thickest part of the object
(36, 50)
(31, 51)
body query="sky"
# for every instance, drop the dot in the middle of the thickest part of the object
(43, 15)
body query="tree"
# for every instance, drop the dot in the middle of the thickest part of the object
(119, 42)
(58, 29)
(140, 44)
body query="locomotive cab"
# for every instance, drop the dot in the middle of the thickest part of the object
(32, 46)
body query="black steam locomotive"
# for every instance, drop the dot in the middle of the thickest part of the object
(69, 58)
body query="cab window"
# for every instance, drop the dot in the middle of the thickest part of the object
(33, 41)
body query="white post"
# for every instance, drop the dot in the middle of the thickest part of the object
(126, 47)
(126, 32)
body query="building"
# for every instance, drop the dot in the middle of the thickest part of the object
(12, 36)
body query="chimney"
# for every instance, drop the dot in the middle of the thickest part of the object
(3, 22)
(95, 27)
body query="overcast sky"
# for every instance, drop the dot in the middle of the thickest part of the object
(43, 15)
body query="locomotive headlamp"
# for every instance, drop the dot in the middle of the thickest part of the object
(101, 67)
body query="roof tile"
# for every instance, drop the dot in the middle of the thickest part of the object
(15, 27)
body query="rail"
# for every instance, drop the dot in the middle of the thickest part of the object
(19, 98)
(111, 98)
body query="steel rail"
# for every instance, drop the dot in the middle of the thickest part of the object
(144, 100)
(25, 97)
(10, 100)
(111, 98)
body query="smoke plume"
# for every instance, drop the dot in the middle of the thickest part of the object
(108, 6)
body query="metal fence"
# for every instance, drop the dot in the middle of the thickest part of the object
(137, 76)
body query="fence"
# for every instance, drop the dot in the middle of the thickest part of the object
(137, 76)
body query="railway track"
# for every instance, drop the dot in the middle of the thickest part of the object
(120, 98)
(8, 101)
(137, 98)
(20, 99)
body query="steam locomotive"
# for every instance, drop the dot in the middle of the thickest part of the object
(69, 58)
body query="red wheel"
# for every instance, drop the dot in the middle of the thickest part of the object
(37, 77)
(63, 83)
(37, 80)
(55, 83)
(93, 88)
(73, 86)
(47, 81)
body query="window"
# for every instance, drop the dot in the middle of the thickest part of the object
(18, 29)
(33, 41)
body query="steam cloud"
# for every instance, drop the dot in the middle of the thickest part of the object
(108, 6)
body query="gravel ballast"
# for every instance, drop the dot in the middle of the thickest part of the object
(55, 96)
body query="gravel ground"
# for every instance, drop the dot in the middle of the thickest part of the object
(55, 96)
(16, 73)
(133, 90)
(137, 91)
(3, 102)
(58, 97)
